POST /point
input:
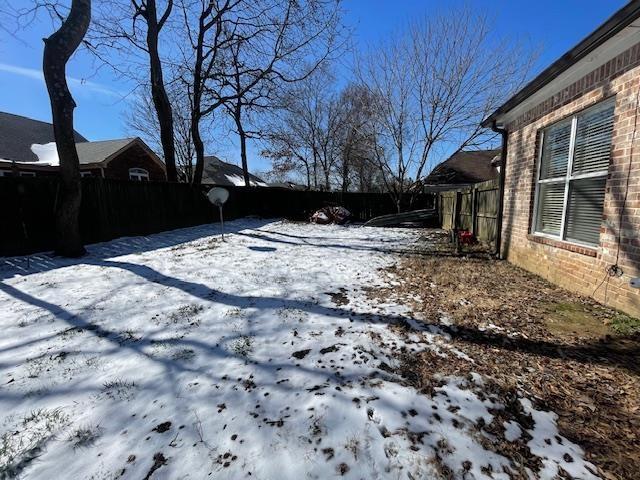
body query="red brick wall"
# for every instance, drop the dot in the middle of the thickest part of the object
(134, 157)
(577, 268)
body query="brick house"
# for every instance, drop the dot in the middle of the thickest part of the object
(571, 186)
(28, 149)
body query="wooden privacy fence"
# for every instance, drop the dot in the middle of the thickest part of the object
(473, 208)
(114, 208)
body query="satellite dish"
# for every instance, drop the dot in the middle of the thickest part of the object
(218, 196)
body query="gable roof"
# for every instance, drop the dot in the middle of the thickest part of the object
(18, 133)
(217, 172)
(465, 167)
(620, 20)
(96, 152)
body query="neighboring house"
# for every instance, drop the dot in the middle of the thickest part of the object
(571, 196)
(223, 174)
(288, 185)
(465, 168)
(27, 148)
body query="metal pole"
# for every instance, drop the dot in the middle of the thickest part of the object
(221, 222)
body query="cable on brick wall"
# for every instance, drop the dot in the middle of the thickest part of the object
(615, 270)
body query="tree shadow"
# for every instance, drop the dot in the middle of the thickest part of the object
(262, 249)
(590, 353)
(42, 262)
(310, 241)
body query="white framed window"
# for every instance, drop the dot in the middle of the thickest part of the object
(571, 177)
(27, 174)
(138, 175)
(86, 174)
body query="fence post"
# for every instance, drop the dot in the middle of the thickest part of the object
(456, 219)
(474, 210)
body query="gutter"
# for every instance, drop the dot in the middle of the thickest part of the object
(503, 173)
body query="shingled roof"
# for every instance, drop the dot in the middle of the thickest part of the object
(217, 172)
(32, 142)
(18, 133)
(465, 167)
(95, 152)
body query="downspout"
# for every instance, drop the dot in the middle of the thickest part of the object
(501, 182)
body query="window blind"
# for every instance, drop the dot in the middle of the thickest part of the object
(550, 203)
(584, 210)
(593, 141)
(555, 151)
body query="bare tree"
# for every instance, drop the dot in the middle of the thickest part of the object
(287, 153)
(135, 26)
(206, 24)
(58, 49)
(240, 50)
(142, 119)
(433, 84)
(357, 148)
(286, 43)
(307, 129)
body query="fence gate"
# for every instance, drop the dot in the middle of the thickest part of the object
(473, 208)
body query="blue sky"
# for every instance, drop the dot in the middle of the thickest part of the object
(552, 26)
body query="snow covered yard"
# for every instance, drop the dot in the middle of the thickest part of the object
(179, 356)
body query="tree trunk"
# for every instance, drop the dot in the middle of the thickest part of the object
(58, 48)
(159, 92)
(199, 148)
(308, 169)
(345, 170)
(346, 161)
(196, 106)
(243, 144)
(315, 169)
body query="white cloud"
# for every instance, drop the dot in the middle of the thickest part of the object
(36, 74)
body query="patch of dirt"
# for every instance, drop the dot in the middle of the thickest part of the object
(342, 469)
(528, 337)
(162, 427)
(332, 348)
(340, 297)
(301, 354)
(158, 461)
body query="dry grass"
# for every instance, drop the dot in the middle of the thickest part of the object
(531, 337)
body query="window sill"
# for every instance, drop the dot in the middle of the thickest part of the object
(572, 247)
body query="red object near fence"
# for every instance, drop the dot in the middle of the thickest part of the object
(465, 237)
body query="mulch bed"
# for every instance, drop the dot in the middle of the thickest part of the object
(503, 318)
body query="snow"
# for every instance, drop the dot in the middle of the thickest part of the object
(512, 431)
(239, 346)
(552, 448)
(238, 181)
(47, 154)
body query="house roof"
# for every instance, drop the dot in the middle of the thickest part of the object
(89, 153)
(96, 152)
(620, 20)
(18, 133)
(217, 172)
(465, 167)
(288, 185)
